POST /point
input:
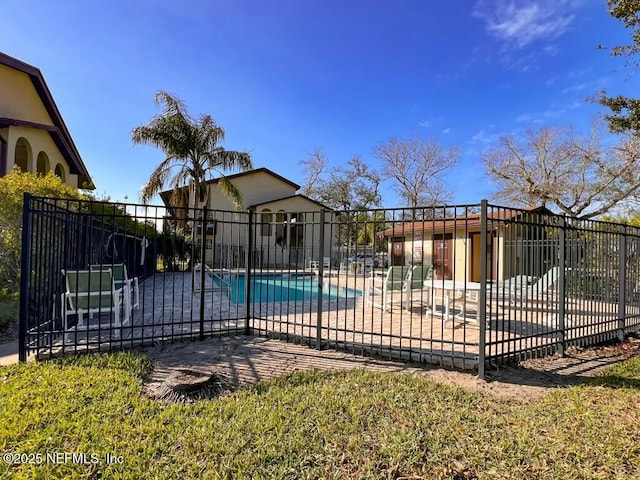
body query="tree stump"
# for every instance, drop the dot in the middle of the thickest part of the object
(184, 385)
(182, 381)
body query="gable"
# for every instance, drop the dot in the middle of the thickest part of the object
(255, 186)
(293, 203)
(19, 99)
(25, 101)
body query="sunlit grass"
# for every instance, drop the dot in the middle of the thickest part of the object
(354, 424)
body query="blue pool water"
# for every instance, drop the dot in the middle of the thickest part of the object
(284, 288)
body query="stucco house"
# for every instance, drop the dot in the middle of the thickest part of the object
(517, 243)
(33, 135)
(286, 223)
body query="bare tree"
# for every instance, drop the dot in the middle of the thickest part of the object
(416, 166)
(580, 176)
(351, 190)
(353, 187)
(313, 168)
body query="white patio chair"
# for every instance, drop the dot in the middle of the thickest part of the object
(93, 291)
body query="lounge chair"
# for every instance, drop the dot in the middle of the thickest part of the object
(523, 288)
(393, 283)
(90, 292)
(121, 280)
(315, 264)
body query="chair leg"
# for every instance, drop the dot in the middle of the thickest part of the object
(445, 298)
(136, 293)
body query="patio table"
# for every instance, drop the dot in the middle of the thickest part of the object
(450, 288)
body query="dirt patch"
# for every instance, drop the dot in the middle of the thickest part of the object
(240, 361)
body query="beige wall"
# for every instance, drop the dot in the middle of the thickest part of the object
(19, 99)
(466, 255)
(232, 230)
(311, 231)
(460, 251)
(256, 188)
(37, 141)
(415, 245)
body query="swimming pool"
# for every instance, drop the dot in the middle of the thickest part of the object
(284, 288)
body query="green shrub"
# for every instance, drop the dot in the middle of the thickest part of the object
(9, 307)
(12, 187)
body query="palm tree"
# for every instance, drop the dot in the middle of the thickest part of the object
(191, 146)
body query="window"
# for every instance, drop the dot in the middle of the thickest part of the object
(266, 217)
(59, 171)
(42, 164)
(22, 154)
(296, 232)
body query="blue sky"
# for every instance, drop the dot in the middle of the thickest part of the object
(287, 76)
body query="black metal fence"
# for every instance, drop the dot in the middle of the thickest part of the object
(466, 285)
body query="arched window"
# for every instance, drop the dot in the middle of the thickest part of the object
(59, 171)
(42, 163)
(23, 155)
(266, 217)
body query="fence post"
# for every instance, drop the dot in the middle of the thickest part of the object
(562, 290)
(482, 300)
(25, 272)
(321, 221)
(248, 266)
(203, 252)
(622, 282)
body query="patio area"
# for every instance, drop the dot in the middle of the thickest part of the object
(171, 308)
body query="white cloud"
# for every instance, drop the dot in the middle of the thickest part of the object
(520, 23)
(541, 117)
(446, 130)
(425, 124)
(482, 137)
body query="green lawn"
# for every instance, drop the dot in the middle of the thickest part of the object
(347, 425)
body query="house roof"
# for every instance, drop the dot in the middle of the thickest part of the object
(297, 195)
(470, 221)
(166, 195)
(58, 131)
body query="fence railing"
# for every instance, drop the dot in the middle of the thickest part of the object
(463, 285)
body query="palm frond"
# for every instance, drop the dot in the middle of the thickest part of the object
(231, 191)
(221, 159)
(192, 142)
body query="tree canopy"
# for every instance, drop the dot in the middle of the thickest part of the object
(580, 176)
(416, 166)
(192, 152)
(12, 187)
(351, 187)
(625, 111)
